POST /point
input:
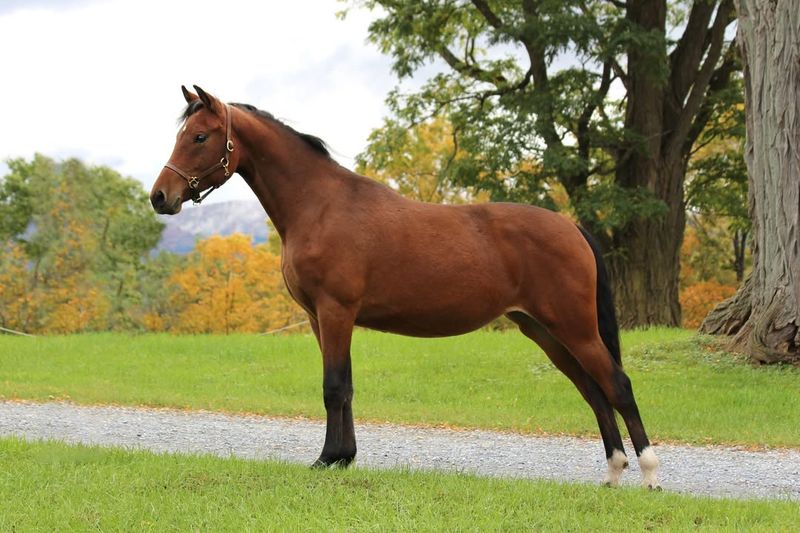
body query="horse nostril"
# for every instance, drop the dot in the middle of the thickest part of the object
(158, 199)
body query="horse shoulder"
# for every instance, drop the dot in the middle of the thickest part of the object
(324, 263)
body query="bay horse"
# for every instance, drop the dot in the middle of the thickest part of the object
(355, 252)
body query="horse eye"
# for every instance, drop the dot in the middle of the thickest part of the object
(200, 138)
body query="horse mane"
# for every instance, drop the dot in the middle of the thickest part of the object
(313, 142)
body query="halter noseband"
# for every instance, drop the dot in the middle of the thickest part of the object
(194, 181)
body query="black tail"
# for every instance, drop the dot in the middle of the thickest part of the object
(606, 314)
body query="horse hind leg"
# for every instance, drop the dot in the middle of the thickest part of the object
(591, 392)
(594, 357)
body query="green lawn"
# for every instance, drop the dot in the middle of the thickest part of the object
(687, 391)
(55, 487)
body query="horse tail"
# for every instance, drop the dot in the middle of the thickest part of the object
(606, 314)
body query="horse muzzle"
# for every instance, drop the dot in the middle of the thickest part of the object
(162, 206)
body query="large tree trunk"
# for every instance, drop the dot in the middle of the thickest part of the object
(764, 317)
(646, 262)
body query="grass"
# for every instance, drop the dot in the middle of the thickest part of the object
(55, 487)
(687, 390)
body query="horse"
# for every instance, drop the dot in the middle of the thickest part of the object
(355, 252)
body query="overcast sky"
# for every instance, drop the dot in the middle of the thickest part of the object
(100, 80)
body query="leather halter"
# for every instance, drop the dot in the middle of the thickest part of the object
(194, 181)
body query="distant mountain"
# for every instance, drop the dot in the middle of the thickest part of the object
(224, 218)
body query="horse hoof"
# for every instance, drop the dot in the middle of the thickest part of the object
(342, 462)
(319, 464)
(654, 488)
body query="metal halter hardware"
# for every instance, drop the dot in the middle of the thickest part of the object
(194, 181)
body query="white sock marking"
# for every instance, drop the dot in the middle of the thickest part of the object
(616, 464)
(648, 462)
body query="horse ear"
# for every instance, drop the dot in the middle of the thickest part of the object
(190, 97)
(209, 101)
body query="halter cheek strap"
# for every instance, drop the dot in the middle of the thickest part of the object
(194, 181)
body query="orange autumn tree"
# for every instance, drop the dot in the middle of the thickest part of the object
(54, 291)
(66, 291)
(228, 285)
(73, 245)
(16, 302)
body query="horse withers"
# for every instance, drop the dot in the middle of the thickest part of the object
(355, 252)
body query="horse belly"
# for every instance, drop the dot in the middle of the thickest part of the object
(421, 326)
(436, 302)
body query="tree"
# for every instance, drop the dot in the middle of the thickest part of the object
(155, 310)
(416, 161)
(529, 80)
(16, 307)
(228, 285)
(57, 293)
(764, 316)
(83, 230)
(716, 185)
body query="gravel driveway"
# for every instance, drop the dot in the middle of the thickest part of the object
(715, 471)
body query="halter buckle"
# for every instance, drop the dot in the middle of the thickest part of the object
(193, 182)
(229, 145)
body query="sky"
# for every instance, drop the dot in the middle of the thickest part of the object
(100, 79)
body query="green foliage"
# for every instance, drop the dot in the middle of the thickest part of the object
(417, 162)
(687, 388)
(519, 133)
(610, 206)
(154, 292)
(717, 190)
(67, 215)
(16, 201)
(717, 184)
(115, 208)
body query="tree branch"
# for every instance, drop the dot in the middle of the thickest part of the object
(719, 81)
(488, 14)
(701, 79)
(582, 133)
(534, 49)
(471, 70)
(687, 55)
(620, 73)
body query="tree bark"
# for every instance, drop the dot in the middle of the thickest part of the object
(646, 264)
(764, 318)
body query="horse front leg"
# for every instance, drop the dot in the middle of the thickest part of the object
(334, 329)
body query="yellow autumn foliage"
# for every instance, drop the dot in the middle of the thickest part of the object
(56, 294)
(419, 168)
(699, 299)
(16, 302)
(229, 285)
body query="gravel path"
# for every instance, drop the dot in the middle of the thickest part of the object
(713, 471)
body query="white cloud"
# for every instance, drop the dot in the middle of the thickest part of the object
(101, 80)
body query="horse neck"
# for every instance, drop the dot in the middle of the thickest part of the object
(286, 176)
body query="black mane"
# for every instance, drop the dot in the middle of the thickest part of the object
(314, 142)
